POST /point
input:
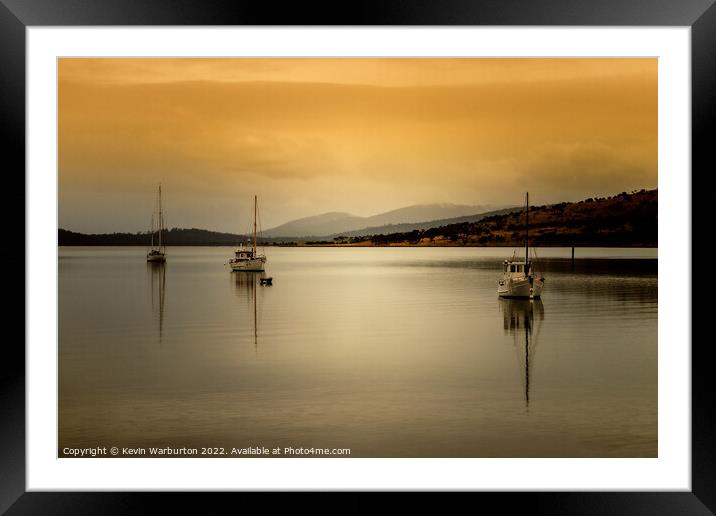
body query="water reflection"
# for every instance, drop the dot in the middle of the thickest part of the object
(522, 319)
(356, 355)
(158, 282)
(245, 284)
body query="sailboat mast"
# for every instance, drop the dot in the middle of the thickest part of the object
(161, 220)
(527, 229)
(255, 208)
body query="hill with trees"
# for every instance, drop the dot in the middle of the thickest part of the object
(623, 220)
(174, 236)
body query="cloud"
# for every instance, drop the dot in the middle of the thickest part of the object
(573, 169)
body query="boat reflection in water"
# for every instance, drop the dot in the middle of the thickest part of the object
(158, 285)
(523, 320)
(245, 285)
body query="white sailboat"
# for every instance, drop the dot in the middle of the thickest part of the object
(518, 276)
(158, 252)
(248, 259)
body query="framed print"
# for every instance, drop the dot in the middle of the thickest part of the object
(417, 250)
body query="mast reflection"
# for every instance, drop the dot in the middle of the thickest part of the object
(522, 319)
(245, 284)
(158, 283)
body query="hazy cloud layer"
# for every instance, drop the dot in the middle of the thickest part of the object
(379, 135)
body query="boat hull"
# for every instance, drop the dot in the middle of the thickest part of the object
(252, 265)
(520, 289)
(156, 258)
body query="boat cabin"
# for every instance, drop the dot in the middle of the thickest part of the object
(244, 254)
(509, 267)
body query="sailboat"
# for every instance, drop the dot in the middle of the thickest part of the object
(248, 259)
(158, 252)
(518, 276)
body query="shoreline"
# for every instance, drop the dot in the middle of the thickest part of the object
(636, 246)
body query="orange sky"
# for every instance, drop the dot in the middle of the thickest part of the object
(356, 135)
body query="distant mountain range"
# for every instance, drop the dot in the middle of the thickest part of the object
(403, 228)
(344, 224)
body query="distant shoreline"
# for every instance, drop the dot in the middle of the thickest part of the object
(636, 246)
(623, 220)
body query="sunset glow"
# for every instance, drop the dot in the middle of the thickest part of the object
(313, 135)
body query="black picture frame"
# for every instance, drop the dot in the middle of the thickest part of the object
(699, 15)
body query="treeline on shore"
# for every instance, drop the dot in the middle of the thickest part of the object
(623, 220)
(174, 236)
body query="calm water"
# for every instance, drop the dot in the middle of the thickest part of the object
(391, 352)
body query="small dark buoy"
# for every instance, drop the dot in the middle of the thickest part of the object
(266, 281)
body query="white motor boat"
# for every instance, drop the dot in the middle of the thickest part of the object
(247, 258)
(519, 279)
